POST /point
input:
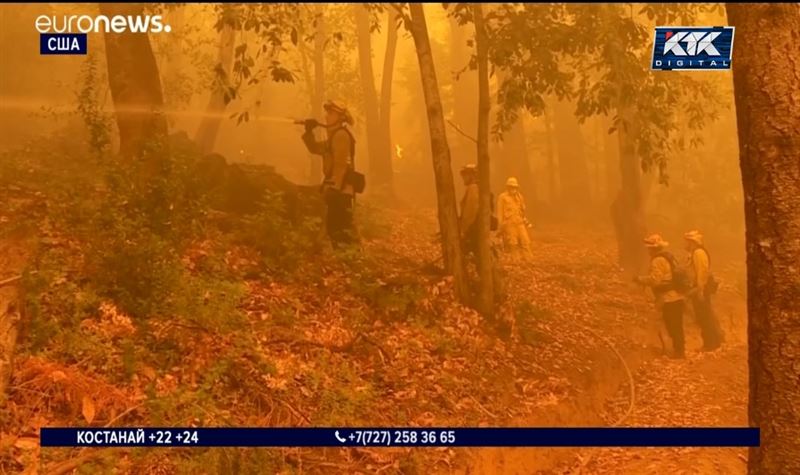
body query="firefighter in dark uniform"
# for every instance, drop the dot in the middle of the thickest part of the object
(337, 159)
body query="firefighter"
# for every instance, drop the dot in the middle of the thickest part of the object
(703, 286)
(512, 221)
(668, 299)
(337, 159)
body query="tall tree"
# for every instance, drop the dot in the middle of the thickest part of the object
(628, 207)
(767, 93)
(445, 188)
(380, 169)
(485, 267)
(386, 92)
(206, 135)
(135, 89)
(314, 75)
(552, 188)
(319, 80)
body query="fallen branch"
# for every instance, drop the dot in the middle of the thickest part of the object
(480, 406)
(295, 411)
(458, 129)
(11, 280)
(123, 414)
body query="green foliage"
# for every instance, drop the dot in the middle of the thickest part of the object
(598, 55)
(98, 123)
(282, 244)
(392, 297)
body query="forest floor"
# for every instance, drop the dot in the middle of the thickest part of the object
(371, 340)
(704, 390)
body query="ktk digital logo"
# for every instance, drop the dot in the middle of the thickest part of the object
(692, 48)
(67, 34)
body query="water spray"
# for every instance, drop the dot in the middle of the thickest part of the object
(12, 104)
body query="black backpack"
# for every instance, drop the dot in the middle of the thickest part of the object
(353, 178)
(680, 279)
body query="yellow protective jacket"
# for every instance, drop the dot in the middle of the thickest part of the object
(510, 208)
(469, 208)
(337, 157)
(661, 274)
(699, 266)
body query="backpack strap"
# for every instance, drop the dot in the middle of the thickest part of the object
(352, 164)
(662, 288)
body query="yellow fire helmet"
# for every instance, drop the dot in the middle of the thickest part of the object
(340, 109)
(655, 241)
(512, 182)
(694, 236)
(471, 168)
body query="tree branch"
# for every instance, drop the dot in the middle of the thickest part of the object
(461, 131)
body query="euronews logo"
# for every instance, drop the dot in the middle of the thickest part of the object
(67, 34)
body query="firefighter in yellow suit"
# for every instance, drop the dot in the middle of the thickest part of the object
(511, 220)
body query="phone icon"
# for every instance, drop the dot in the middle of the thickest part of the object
(340, 439)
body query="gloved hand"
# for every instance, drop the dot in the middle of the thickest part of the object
(310, 124)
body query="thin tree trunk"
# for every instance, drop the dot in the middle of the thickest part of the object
(174, 68)
(611, 155)
(317, 86)
(380, 170)
(486, 290)
(465, 90)
(445, 188)
(627, 210)
(766, 80)
(135, 89)
(386, 92)
(551, 157)
(208, 129)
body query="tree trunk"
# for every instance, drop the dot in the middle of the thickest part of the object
(380, 171)
(445, 189)
(611, 155)
(206, 135)
(135, 89)
(486, 289)
(572, 166)
(551, 157)
(766, 82)
(465, 90)
(627, 210)
(175, 67)
(386, 93)
(318, 94)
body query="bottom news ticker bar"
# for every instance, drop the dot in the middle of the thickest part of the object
(400, 437)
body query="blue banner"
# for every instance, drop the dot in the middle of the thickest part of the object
(400, 437)
(62, 43)
(692, 48)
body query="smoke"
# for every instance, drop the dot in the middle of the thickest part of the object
(37, 106)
